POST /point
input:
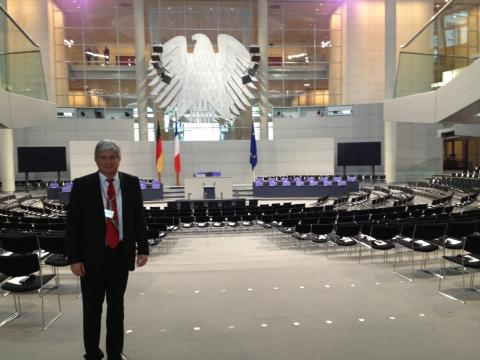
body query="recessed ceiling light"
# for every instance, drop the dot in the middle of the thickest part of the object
(307, 84)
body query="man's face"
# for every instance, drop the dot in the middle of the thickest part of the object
(108, 163)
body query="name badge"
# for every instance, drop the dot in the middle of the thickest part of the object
(109, 213)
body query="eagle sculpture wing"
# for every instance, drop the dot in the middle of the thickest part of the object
(233, 60)
(175, 63)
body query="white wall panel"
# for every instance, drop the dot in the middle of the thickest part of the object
(281, 162)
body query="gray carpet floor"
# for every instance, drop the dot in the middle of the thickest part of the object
(249, 296)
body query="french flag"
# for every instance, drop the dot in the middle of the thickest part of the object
(159, 150)
(176, 158)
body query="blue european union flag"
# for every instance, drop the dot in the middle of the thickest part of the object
(253, 149)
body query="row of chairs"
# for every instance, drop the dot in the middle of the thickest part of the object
(462, 183)
(31, 220)
(417, 210)
(21, 259)
(23, 255)
(457, 241)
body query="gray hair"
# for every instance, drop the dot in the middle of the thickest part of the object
(107, 144)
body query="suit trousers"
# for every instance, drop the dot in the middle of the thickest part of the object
(111, 281)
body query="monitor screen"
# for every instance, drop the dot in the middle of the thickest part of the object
(42, 159)
(359, 153)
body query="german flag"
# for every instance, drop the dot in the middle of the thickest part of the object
(159, 152)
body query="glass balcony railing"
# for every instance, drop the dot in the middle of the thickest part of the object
(448, 43)
(21, 69)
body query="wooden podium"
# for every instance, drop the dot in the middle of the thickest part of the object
(199, 188)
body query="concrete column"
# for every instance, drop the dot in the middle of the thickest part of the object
(7, 161)
(362, 51)
(390, 127)
(263, 70)
(36, 19)
(140, 70)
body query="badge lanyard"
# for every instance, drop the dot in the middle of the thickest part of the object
(107, 203)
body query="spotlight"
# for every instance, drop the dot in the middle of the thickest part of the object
(252, 72)
(156, 65)
(254, 49)
(256, 66)
(157, 48)
(256, 58)
(155, 57)
(166, 78)
(246, 79)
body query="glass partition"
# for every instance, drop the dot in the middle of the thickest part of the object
(21, 69)
(439, 51)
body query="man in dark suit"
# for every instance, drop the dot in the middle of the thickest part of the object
(106, 228)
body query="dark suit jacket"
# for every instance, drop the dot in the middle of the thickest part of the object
(86, 227)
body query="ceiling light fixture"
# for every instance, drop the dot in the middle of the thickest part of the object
(296, 56)
(326, 44)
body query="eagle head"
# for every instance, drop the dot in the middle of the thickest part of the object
(202, 43)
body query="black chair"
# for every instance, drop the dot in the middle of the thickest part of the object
(310, 220)
(265, 221)
(346, 234)
(362, 217)
(278, 219)
(319, 232)
(232, 221)
(56, 244)
(218, 221)
(469, 261)
(247, 220)
(187, 222)
(301, 232)
(156, 232)
(287, 227)
(457, 232)
(202, 222)
(381, 237)
(423, 241)
(21, 263)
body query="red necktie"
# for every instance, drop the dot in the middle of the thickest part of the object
(113, 237)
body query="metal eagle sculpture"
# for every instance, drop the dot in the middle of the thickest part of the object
(203, 81)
